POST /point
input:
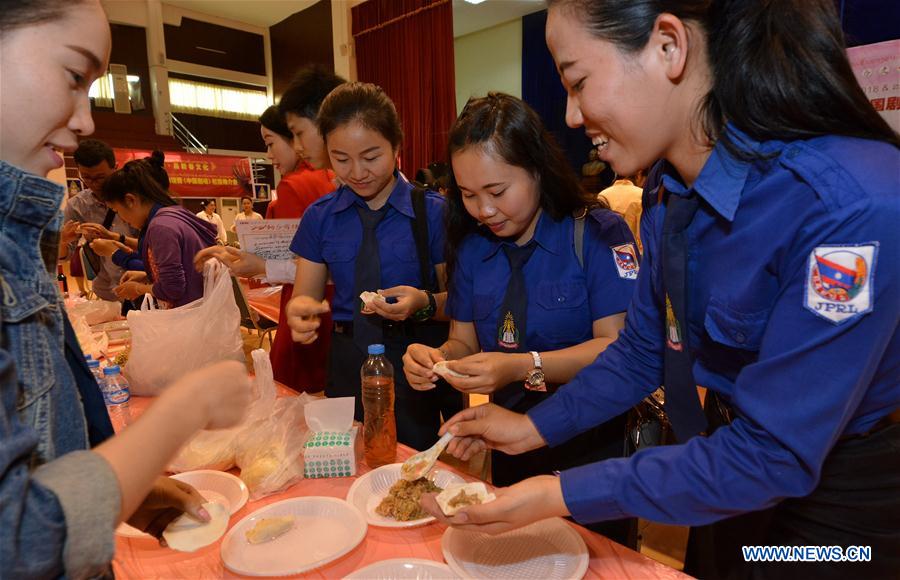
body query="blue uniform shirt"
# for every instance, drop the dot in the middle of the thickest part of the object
(330, 233)
(564, 298)
(804, 352)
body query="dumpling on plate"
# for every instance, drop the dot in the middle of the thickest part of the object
(457, 496)
(267, 529)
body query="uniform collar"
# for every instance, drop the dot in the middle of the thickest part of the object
(723, 177)
(399, 199)
(548, 234)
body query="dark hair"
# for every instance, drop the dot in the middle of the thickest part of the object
(770, 81)
(246, 197)
(92, 152)
(364, 103)
(306, 92)
(206, 202)
(507, 127)
(273, 120)
(141, 177)
(18, 13)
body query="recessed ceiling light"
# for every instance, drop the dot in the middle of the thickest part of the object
(474, 1)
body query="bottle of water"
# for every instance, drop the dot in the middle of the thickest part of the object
(94, 365)
(379, 426)
(116, 396)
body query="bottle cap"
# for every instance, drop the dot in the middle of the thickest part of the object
(113, 370)
(376, 349)
(93, 364)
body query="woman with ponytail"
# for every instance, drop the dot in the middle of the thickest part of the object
(769, 277)
(170, 235)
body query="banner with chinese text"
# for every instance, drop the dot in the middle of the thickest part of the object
(192, 175)
(877, 68)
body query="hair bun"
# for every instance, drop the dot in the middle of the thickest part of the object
(157, 158)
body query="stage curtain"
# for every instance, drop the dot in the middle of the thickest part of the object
(406, 47)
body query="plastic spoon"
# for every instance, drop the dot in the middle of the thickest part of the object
(421, 463)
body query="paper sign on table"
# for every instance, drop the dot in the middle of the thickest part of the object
(268, 239)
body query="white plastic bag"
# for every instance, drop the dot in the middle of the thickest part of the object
(216, 449)
(95, 311)
(92, 343)
(167, 344)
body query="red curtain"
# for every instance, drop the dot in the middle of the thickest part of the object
(406, 47)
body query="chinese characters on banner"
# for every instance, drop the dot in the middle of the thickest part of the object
(877, 68)
(193, 175)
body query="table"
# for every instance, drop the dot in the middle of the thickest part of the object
(266, 300)
(144, 559)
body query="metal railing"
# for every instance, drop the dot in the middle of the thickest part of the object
(187, 139)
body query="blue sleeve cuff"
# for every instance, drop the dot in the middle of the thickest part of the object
(552, 421)
(589, 491)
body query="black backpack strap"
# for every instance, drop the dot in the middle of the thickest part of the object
(108, 219)
(420, 235)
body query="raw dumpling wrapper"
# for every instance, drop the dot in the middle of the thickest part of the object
(442, 369)
(457, 496)
(186, 534)
(369, 297)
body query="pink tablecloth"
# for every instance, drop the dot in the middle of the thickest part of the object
(265, 300)
(144, 559)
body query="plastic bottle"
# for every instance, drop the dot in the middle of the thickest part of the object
(116, 395)
(63, 283)
(94, 365)
(379, 426)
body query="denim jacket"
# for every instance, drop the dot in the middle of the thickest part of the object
(49, 482)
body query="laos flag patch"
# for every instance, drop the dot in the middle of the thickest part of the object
(839, 281)
(625, 257)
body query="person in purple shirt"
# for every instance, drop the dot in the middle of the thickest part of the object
(170, 236)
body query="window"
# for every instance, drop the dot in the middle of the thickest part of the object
(102, 92)
(198, 98)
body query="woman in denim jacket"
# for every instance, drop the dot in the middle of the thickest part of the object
(59, 501)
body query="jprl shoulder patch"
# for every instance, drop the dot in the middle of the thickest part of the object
(839, 281)
(626, 260)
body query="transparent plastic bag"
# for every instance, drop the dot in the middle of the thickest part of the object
(270, 452)
(216, 449)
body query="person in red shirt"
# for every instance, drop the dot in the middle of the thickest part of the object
(301, 367)
(300, 184)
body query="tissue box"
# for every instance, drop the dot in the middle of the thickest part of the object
(330, 454)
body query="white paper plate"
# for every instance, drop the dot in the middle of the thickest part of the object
(215, 486)
(545, 550)
(325, 529)
(404, 569)
(367, 492)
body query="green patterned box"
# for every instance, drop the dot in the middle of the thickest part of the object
(330, 454)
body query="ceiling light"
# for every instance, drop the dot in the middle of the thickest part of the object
(474, 1)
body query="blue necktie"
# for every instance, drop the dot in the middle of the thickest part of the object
(367, 329)
(682, 402)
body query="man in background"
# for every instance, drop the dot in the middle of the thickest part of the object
(96, 162)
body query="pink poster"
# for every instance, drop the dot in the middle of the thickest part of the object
(877, 68)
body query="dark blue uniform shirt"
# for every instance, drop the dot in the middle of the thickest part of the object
(564, 297)
(330, 233)
(793, 312)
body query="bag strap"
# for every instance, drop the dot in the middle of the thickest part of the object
(578, 236)
(420, 235)
(108, 219)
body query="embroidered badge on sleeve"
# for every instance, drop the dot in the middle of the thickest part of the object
(839, 281)
(625, 257)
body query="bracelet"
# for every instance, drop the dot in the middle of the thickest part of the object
(428, 311)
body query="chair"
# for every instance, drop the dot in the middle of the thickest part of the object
(250, 319)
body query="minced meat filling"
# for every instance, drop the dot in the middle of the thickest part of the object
(402, 500)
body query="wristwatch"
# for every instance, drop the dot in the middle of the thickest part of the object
(534, 380)
(428, 311)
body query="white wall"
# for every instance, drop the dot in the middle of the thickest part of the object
(489, 60)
